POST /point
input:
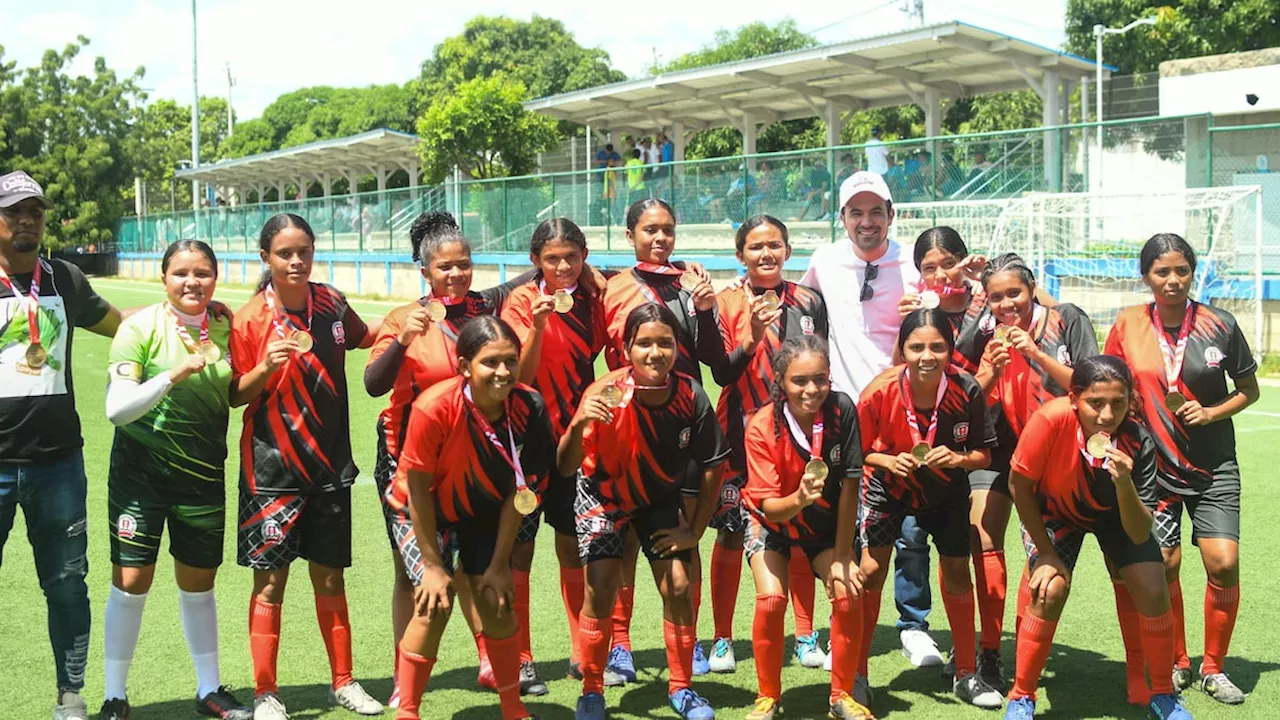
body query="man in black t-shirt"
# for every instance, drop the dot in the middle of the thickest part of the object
(42, 301)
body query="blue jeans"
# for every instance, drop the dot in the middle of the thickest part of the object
(52, 496)
(911, 577)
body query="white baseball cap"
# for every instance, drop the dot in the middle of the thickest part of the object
(863, 181)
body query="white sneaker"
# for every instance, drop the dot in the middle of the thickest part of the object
(975, 691)
(722, 659)
(70, 707)
(919, 648)
(354, 698)
(267, 706)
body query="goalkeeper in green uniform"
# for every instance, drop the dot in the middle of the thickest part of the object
(168, 398)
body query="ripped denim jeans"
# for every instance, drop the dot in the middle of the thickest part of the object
(52, 497)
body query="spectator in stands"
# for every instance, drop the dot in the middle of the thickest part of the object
(817, 184)
(635, 177)
(664, 151)
(980, 162)
(877, 153)
(668, 148)
(766, 187)
(743, 195)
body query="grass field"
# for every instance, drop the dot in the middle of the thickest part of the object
(1084, 678)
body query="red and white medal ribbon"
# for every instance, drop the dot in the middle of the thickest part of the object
(279, 317)
(629, 388)
(1174, 356)
(32, 299)
(908, 404)
(508, 454)
(184, 333)
(1089, 459)
(797, 432)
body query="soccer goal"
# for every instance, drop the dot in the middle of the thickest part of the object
(1084, 247)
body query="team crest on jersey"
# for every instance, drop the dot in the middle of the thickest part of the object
(835, 455)
(1064, 357)
(684, 437)
(1213, 357)
(339, 333)
(126, 526)
(961, 432)
(271, 532)
(806, 324)
(988, 324)
(730, 495)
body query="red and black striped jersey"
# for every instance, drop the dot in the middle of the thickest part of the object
(747, 379)
(776, 460)
(297, 436)
(1049, 453)
(645, 453)
(699, 332)
(470, 476)
(1024, 385)
(963, 425)
(1216, 348)
(965, 332)
(570, 344)
(431, 358)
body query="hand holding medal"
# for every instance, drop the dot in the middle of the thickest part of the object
(415, 324)
(813, 482)
(542, 307)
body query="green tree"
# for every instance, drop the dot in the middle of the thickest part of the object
(483, 129)
(1184, 28)
(76, 136)
(162, 137)
(749, 41)
(250, 138)
(540, 53)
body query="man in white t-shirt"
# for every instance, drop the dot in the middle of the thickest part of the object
(862, 281)
(877, 153)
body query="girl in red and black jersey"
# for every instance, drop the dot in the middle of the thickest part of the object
(1181, 353)
(631, 444)
(1084, 465)
(562, 329)
(1027, 350)
(476, 455)
(804, 467)
(755, 318)
(685, 291)
(924, 429)
(416, 349)
(288, 359)
(950, 281)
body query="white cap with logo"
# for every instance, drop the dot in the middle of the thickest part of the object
(863, 181)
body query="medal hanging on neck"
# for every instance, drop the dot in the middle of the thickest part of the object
(562, 299)
(205, 349)
(620, 397)
(525, 499)
(280, 319)
(438, 308)
(816, 466)
(1173, 356)
(921, 445)
(36, 356)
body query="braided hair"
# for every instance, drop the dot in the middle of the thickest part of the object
(790, 350)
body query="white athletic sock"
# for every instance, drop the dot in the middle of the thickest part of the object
(200, 625)
(122, 622)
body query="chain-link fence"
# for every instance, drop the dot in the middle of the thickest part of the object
(711, 197)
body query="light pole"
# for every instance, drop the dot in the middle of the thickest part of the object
(1098, 32)
(195, 124)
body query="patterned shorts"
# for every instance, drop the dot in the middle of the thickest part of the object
(1215, 513)
(948, 525)
(730, 515)
(758, 538)
(384, 472)
(1115, 545)
(406, 542)
(274, 530)
(138, 516)
(602, 526)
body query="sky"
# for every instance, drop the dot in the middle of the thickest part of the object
(275, 46)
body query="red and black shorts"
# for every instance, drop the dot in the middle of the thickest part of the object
(759, 538)
(880, 527)
(602, 525)
(274, 530)
(730, 515)
(466, 546)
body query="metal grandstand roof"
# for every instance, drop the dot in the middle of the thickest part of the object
(951, 59)
(359, 154)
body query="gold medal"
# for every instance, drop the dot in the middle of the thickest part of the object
(304, 340)
(1097, 445)
(563, 301)
(1001, 334)
(930, 299)
(435, 310)
(611, 395)
(525, 501)
(690, 281)
(36, 355)
(818, 469)
(920, 451)
(1174, 400)
(209, 352)
(771, 300)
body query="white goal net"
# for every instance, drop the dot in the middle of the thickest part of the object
(1084, 247)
